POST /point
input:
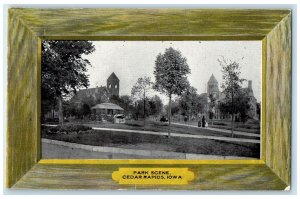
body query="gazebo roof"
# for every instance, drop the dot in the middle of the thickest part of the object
(107, 106)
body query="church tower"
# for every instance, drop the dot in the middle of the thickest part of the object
(213, 87)
(113, 84)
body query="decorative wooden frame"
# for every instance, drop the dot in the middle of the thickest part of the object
(26, 29)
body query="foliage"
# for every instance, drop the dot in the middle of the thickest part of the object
(202, 101)
(124, 101)
(141, 87)
(189, 102)
(242, 105)
(67, 128)
(63, 69)
(139, 91)
(231, 79)
(85, 110)
(77, 110)
(231, 85)
(258, 109)
(171, 70)
(155, 105)
(212, 106)
(175, 107)
(141, 108)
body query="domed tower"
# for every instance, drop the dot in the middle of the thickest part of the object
(213, 87)
(113, 84)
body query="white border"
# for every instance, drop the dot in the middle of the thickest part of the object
(156, 3)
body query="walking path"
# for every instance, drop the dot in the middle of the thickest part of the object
(180, 135)
(53, 148)
(221, 130)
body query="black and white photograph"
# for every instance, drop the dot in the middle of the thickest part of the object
(198, 100)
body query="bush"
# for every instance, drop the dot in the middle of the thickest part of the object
(68, 128)
(248, 126)
(51, 120)
(253, 122)
(220, 123)
(54, 120)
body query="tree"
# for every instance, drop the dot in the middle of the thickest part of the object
(231, 85)
(70, 109)
(258, 107)
(175, 107)
(171, 70)
(241, 105)
(125, 102)
(244, 106)
(212, 107)
(202, 106)
(189, 102)
(63, 69)
(155, 105)
(85, 110)
(140, 89)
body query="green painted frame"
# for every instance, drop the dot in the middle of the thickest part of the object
(26, 29)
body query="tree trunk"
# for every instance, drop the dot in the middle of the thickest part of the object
(232, 115)
(135, 112)
(169, 116)
(144, 110)
(60, 111)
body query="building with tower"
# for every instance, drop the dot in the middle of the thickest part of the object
(113, 84)
(213, 87)
(213, 90)
(100, 94)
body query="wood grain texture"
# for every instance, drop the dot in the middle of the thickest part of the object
(22, 90)
(183, 22)
(278, 134)
(208, 177)
(27, 26)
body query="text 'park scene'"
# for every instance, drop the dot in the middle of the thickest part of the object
(151, 99)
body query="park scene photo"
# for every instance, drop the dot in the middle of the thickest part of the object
(151, 99)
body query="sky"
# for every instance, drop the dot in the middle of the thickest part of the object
(133, 59)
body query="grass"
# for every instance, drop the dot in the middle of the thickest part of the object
(156, 142)
(163, 127)
(248, 127)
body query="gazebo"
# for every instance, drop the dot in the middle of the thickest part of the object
(107, 109)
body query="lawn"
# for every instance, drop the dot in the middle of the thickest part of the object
(154, 142)
(161, 127)
(247, 127)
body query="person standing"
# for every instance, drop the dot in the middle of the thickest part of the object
(185, 119)
(203, 121)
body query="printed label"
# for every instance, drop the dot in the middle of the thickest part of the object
(151, 176)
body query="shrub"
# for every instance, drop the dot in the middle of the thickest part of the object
(76, 128)
(220, 123)
(67, 128)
